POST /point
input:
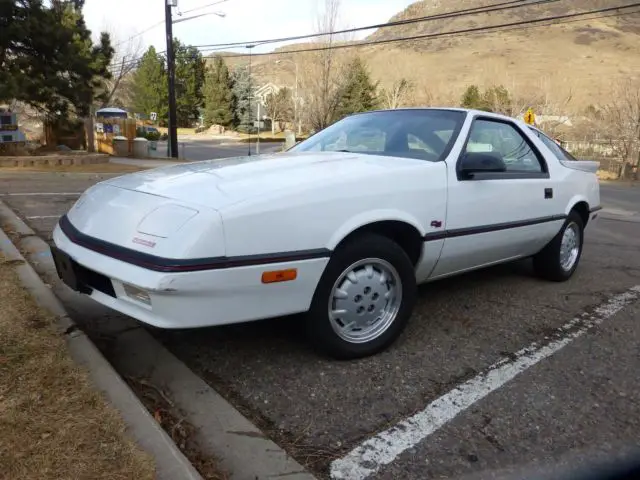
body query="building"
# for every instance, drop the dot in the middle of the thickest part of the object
(9, 131)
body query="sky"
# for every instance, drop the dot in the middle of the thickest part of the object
(244, 19)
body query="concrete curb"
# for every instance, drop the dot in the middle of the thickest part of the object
(169, 460)
(222, 431)
(53, 160)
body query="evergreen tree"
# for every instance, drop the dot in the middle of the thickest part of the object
(190, 70)
(218, 97)
(358, 93)
(47, 58)
(243, 103)
(472, 98)
(150, 89)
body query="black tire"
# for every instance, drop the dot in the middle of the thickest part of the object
(547, 263)
(319, 327)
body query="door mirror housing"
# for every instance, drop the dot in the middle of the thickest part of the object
(480, 162)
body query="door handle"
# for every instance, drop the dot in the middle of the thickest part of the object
(548, 193)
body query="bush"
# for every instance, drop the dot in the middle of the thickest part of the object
(153, 136)
(164, 137)
(142, 132)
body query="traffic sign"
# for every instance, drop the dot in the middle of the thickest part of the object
(154, 116)
(530, 117)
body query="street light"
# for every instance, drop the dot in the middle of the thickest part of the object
(295, 100)
(219, 14)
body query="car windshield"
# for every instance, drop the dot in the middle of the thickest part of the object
(420, 134)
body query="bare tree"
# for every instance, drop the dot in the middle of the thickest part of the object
(397, 94)
(127, 53)
(621, 125)
(320, 80)
(279, 107)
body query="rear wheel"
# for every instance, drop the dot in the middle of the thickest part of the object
(559, 259)
(364, 298)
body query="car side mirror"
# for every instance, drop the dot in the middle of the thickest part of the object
(480, 162)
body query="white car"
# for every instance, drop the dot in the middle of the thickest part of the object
(343, 226)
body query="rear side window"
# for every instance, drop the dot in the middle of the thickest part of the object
(557, 150)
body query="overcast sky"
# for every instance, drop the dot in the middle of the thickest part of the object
(245, 19)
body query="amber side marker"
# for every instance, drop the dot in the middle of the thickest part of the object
(280, 276)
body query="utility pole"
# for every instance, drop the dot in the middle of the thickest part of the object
(171, 71)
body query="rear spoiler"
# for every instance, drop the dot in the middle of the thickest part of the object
(582, 165)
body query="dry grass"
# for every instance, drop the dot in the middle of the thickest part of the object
(584, 59)
(53, 425)
(181, 130)
(90, 168)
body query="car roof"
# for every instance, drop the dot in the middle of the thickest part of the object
(447, 109)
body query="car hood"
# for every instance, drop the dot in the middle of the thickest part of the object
(220, 183)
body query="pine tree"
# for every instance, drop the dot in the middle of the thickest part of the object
(358, 93)
(472, 98)
(218, 97)
(47, 58)
(243, 108)
(150, 90)
(190, 70)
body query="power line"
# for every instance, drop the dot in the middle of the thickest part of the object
(440, 16)
(441, 34)
(162, 22)
(456, 13)
(202, 7)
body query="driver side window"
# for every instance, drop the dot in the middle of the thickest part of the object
(505, 141)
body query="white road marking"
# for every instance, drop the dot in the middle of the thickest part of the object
(41, 194)
(385, 447)
(39, 217)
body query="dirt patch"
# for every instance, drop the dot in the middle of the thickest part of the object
(53, 424)
(174, 423)
(91, 168)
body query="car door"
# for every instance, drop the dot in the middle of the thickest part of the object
(494, 216)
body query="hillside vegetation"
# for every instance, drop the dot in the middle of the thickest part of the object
(579, 59)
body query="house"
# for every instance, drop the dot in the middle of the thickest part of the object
(264, 91)
(9, 131)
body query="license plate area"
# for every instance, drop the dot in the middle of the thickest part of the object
(79, 278)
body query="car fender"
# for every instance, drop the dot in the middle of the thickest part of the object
(575, 200)
(372, 216)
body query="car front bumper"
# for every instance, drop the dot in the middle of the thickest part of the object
(189, 299)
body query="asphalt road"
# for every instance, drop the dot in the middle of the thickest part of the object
(580, 403)
(212, 149)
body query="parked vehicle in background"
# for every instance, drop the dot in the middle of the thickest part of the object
(343, 226)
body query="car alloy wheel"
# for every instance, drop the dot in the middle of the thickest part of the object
(365, 300)
(570, 246)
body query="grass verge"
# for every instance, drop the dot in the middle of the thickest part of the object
(53, 425)
(90, 168)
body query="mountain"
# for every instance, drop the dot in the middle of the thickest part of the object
(581, 59)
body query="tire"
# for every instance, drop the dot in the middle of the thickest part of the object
(548, 263)
(367, 304)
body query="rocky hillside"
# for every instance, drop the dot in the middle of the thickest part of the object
(578, 59)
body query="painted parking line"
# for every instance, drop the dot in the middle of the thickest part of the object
(33, 194)
(385, 447)
(41, 217)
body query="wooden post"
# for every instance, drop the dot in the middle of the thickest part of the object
(89, 131)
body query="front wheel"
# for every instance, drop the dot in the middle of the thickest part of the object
(364, 298)
(559, 259)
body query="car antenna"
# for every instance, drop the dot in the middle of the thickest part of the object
(250, 47)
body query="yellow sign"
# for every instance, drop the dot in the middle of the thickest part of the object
(530, 117)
